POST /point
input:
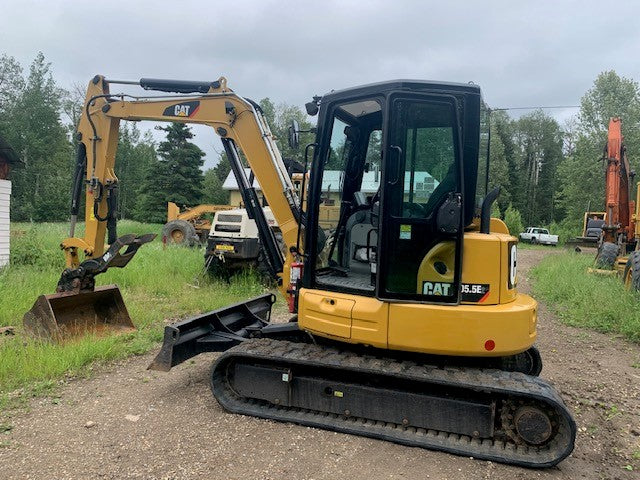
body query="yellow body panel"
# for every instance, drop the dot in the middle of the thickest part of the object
(351, 318)
(427, 328)
(481, 263)
(504, 316)
(498, 226)
(328, 312)
(484, 261)
(464, 329)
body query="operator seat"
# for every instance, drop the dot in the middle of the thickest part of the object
(358, 231)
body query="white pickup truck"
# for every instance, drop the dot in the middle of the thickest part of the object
(538, 235)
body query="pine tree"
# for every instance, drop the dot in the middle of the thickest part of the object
(499, 170)
(175, 177)
(135, 154)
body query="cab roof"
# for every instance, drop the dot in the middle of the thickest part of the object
(404, 85)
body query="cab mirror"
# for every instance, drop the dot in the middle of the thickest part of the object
(294, 134)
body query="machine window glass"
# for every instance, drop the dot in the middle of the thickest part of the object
(430, 157)
(351, 179)
(420, 259)
(338, 147)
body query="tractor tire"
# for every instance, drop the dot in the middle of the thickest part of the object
(607, 254)
(180, 232)
(631, 277)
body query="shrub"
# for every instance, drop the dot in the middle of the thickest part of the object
(513, 219)
(29, 249)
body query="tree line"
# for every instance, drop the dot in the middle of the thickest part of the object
(548, 173)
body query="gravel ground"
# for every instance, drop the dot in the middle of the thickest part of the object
(128, 423)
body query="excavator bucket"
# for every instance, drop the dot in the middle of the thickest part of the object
(65, 315)
(81, 308)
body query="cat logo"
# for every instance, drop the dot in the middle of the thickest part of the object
(184, 109)
(437, 288)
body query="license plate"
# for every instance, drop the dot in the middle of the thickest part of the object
(225, 248)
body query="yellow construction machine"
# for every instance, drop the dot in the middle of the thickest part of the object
(190, 226)
(407, 324)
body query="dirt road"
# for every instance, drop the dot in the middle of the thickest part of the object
(128, 423)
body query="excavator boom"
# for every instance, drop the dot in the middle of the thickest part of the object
(75, 308)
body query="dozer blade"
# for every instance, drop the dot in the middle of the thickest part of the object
(60, 316)
(214, 331)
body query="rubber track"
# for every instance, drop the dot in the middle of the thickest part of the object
(500, 384)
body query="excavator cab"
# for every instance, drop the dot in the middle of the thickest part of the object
(405, 174)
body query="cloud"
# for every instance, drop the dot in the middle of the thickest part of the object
(542, 53)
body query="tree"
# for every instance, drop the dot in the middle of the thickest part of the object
(503, 141)
(222, 168)
(11, 83)
(42, 186)
(212, 189)
(498, 169)
(175, 177)
(582, 176)
(279, 118)
(513, 220)
(539, 141)
(134, 157)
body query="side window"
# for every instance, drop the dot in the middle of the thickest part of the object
(338, 153)
(352, 164)
(374, 149)
(430, 157)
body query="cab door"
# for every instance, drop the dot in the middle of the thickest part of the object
(422, 205)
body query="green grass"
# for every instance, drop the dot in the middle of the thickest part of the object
(159, 286)
(532, 246)
(586, 300)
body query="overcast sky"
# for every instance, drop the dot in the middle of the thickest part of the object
(521, 53)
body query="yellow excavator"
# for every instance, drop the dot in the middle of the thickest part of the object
(190, 226)
(407, 324)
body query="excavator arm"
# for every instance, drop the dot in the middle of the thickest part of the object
(241, 126)
(619, 206)
(238, 121)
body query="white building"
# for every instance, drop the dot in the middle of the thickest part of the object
(5, 193)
